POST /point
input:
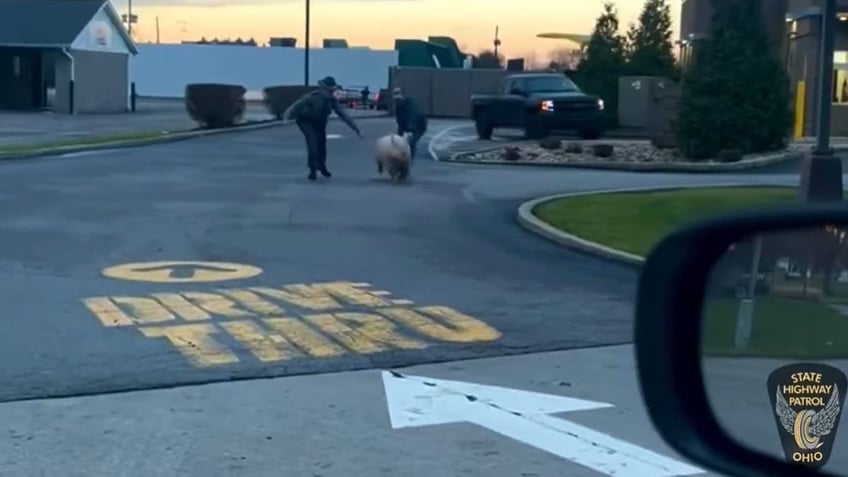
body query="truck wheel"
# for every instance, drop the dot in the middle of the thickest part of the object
(589, 134)
(535, 131)
(484, 129)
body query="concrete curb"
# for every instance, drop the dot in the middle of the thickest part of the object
(165, 137)
(689, 167)
(528, 220)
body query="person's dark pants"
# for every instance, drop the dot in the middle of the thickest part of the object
(315, 133)
(413, 140)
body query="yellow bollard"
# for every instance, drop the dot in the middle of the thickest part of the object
(800, 104)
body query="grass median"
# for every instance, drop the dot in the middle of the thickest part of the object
(635, 221)
(783, 326)
(81, 141)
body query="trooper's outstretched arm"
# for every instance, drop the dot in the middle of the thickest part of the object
(345, 117)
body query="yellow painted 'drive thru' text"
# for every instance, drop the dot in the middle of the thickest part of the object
(318, 320)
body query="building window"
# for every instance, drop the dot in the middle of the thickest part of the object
(840, 77)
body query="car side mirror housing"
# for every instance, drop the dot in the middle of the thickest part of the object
(517, 91)
(741, 341)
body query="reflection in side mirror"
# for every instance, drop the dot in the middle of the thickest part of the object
(774, 344)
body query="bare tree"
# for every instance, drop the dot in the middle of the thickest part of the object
(565, 58)
(531, 61)
(487, 59)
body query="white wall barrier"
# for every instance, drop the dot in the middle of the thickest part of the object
(165, 70)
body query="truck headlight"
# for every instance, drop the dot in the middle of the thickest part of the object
(546, 105)
(600, 105)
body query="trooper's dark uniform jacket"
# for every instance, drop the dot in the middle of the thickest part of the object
(311, 112)
(409, 117)
(410, 120)
(316, 106)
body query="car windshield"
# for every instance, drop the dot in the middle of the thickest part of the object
(550, 84)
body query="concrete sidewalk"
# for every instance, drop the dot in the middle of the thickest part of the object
(339, 425)
(152, 115)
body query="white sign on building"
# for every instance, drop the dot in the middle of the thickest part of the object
(100, 34)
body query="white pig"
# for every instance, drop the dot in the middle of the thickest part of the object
(393, 155)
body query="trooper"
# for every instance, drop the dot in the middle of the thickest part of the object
(311, 112)
(409, 118)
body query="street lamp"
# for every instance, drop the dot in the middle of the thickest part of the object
(821, 171)
(306, 48)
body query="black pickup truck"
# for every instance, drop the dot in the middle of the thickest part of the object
(539, 103)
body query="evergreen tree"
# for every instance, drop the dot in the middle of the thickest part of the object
(630, 40)
(735, 95)
(649, 47)
(603, 61)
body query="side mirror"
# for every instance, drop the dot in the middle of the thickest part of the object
(741, 341)
(517, 91)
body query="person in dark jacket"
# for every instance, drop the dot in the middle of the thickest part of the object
(409, 118)
(311, 112)
(365, 93)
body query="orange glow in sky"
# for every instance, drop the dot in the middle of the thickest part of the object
(376, 23)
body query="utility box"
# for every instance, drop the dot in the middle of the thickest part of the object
(636, 97)
(663, 118)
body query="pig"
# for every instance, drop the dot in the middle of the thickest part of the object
(393, 155)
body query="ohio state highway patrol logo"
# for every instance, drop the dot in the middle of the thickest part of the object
(807, 399)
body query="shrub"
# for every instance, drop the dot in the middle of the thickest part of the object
(602, 150)
(573, 148)
(550, 143)
(511, 153)
(278, 98)
(215, 105)
(730, 155)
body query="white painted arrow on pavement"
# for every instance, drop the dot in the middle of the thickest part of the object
(415, 401)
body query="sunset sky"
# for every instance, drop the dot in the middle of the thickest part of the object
(376, 23)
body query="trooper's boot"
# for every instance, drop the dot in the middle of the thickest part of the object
(325, 172)
(311, 175)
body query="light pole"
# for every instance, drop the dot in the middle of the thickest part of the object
(496, 42)
(306, 48)
(745, 312)
(821, 171)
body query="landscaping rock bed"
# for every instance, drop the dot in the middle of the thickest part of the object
(610, 151)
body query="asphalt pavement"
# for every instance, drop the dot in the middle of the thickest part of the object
(216, 259)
